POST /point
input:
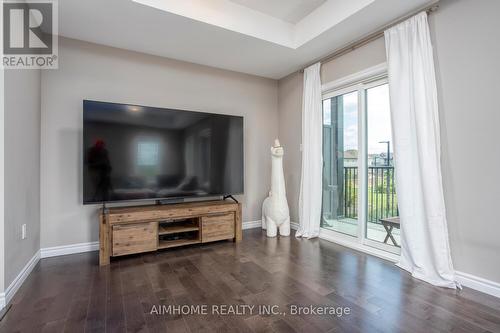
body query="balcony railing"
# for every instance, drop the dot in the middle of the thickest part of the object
(382, 199)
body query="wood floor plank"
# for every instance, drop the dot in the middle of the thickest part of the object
(115, 312)
(73, 294)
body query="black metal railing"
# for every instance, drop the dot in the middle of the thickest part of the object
(351, 192)
(382, 199)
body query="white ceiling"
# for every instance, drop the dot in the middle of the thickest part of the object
(227, 35)
(291, 11)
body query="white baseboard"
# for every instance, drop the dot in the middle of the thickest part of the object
(55, 251)
(477, 283)
(14, 286)
(251, 224)
(258, 224)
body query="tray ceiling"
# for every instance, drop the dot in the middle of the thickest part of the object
(248, 36)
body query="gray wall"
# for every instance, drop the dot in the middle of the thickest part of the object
(467, 52)
(466, 37)
(366, 56)
(22, 169)
(89, 71)
(290, 131)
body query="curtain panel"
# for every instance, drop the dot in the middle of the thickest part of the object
(425, 250)
(312, 155)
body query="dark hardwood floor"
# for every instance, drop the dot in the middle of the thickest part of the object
(73, 294)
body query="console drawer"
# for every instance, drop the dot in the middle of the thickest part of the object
(217, 227)
(134, 238)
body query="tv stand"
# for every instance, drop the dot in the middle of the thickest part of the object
(130, 230)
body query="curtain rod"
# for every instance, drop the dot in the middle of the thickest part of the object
(373, 35)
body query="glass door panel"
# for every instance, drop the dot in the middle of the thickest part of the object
(340, 164)
(382, 204)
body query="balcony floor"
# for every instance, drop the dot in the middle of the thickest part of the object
(375, 231)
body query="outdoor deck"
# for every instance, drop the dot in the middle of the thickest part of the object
(375, 231)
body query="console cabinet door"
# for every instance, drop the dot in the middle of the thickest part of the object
(217, 227)
(134, 238)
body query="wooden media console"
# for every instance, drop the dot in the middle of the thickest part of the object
(129, 230)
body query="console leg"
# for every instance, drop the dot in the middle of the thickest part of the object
(238, 231)
(104, 240)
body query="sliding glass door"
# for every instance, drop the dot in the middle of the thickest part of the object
(359, 193)
(340, 156)
(382, 212)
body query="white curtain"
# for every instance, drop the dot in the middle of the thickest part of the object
(312, 155)
(425, 250)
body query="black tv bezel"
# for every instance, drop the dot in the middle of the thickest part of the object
(177, 198)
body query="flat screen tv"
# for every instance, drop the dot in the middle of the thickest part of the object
(136, 152)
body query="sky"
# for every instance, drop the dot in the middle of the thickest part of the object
(378, 117)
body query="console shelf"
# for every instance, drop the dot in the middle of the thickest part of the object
(129, 230)
(177, 227)
(177, 242)
(174, 230)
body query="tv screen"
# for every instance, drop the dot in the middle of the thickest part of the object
(141, 153)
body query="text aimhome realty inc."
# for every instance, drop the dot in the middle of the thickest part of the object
(248, 310)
